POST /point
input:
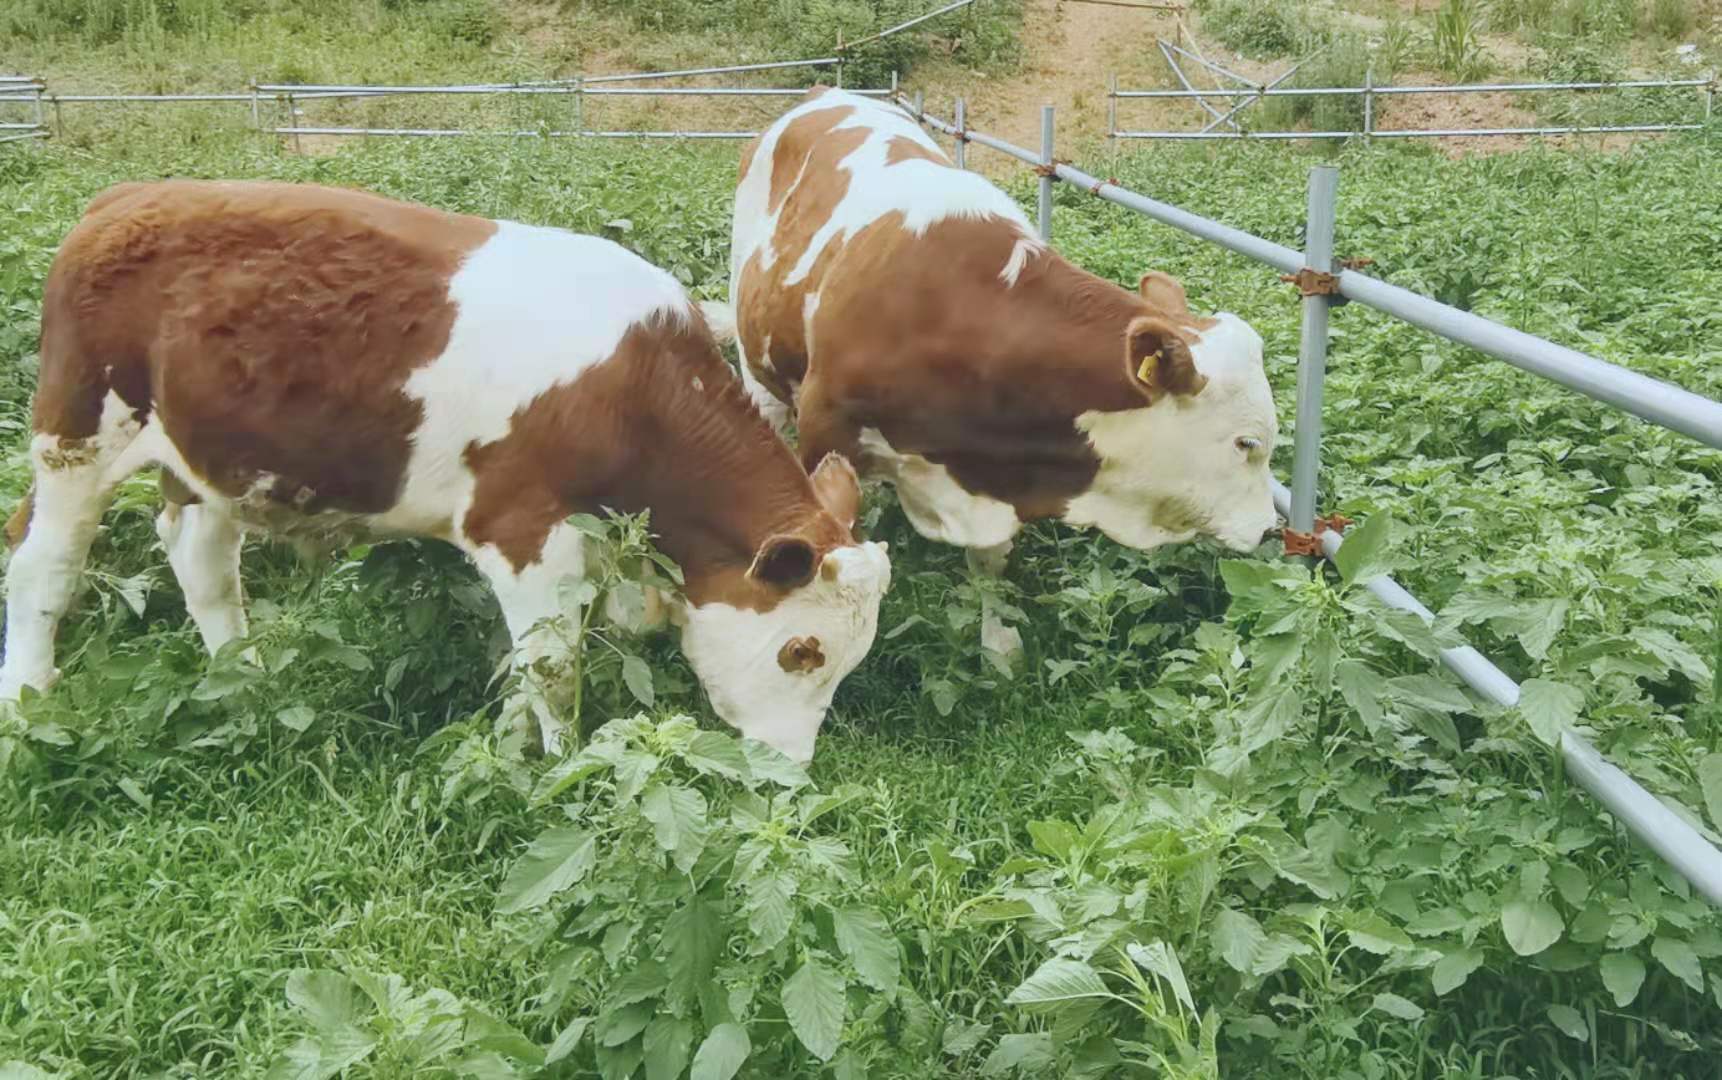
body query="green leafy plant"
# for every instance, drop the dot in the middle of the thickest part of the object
(1457, 41)
(365, 1023)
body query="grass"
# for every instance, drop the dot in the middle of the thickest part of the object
(1351, 860)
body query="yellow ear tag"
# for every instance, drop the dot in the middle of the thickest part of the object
(1146, 371)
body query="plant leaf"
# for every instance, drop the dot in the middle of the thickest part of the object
(554, 861)
(714, 753)
(1710, 781)
(693, 939)
(327, 998)
(1394, 1005)
(638, 676)
(1364, 555)
(1677, 956)
(1031, 1053)
(1623, 974)
(1057, 982)
(722, 1054)
(1569, 1021)
(1531, 925)
(567, 1040)
(1550, 708)
(814, 1003)
(1237, 938)
(678, 817)
(668, 1041)
(1158, 957)
(1453, 969)
(866, 940)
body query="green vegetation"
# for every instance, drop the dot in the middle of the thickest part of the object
(1228, 821)
(165, 45)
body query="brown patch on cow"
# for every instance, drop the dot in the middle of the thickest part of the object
(633, 434)
(809, 149)
(800, 655)
(799, 139)
(901, 148)
(18, 525)
(271, 328)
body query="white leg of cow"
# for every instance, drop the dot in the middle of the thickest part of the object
(203, 545)
(43, 574)
(543, 649)
(996, 637)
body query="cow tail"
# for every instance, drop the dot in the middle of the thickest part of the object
(721, 318)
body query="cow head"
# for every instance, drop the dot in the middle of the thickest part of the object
(1192, 460)
(797, 621)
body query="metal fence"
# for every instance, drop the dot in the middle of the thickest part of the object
(1323, 283)
(24, 91)
(287, 98)
(1249, 93)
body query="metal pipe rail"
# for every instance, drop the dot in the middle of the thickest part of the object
(916, 21)
(1463, 88)
(1661, 829)
(1661, 403)
(1404, 133)
(519, 133)
(323, 93)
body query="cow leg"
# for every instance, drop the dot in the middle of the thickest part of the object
(72, 489)
(203, 543)
(776, 412)
(544, 646)
(997, 638)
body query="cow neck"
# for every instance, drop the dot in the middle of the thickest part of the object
(717, 480)
(1070, 326)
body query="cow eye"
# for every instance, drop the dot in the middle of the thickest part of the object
(1247, 444)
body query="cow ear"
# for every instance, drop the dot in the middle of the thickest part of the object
(838, 488)
(1158, 361)
(1164, 291)
(785, 561)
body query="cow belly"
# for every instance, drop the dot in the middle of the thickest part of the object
(937, 506)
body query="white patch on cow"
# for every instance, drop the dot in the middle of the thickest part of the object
(1025, 248)
(1182, 454)
(734, 651)
(535, 308)
(936, 505)
(925, 192)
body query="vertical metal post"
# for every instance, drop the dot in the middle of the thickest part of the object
(1046, 176)
(893, 83)
(1368, 103)
(839, 58)
(920, 105)
(41, 117)
(293, 122)
(579, 105)
(256, 111)
(1111, 108)
(1312, 348)
(962, 154)
(59, 118)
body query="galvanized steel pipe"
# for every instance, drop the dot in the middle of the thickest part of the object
(1661, 829)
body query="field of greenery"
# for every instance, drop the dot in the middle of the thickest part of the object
(1228, 821)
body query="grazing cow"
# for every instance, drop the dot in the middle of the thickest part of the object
(912, 318)
(319, 362)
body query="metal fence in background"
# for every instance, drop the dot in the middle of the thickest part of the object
(1322, 282)
(1242, 96)
(24, 91)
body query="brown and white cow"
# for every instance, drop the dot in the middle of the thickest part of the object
(915, 322)
(315, 361)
